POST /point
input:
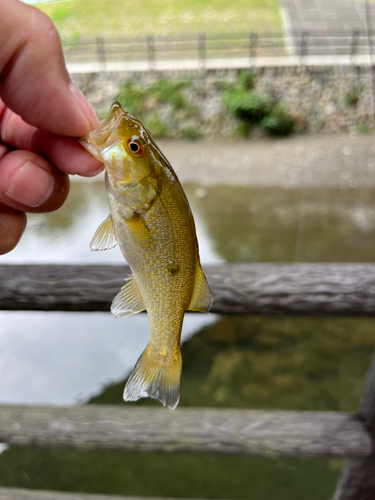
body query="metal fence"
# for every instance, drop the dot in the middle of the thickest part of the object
(203, 47)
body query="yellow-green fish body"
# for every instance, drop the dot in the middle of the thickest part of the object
(151, 220)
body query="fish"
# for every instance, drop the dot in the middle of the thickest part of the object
(151, 220)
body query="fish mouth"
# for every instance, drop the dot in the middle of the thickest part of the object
(105, 133)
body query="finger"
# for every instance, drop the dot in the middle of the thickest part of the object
(12, 226)
(65, 153)
(29, 183)
(34, 82)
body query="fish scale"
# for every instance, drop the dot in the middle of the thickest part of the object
(151, 220)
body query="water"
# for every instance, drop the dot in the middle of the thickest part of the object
(55, 359)
(244, 362)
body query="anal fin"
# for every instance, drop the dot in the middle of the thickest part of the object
(128, 301)
(104, 237)
(202, 298)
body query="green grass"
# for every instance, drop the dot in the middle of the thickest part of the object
(109, 18)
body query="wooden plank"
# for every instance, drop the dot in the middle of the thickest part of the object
(286, 289)
(357, 481)
(28, 494)
(186, 430)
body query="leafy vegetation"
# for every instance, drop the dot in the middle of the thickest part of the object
(247, 105)
(278, 121)
(132, 99)
(352, 97)
(252, 107)
(171, 108)
(169, 91)
(156, 125)
(145, 102)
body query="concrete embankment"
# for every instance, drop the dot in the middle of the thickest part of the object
(322, 98)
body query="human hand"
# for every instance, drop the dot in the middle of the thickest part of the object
(40, 113)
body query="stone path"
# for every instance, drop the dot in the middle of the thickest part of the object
(217, 64)
(325, 18)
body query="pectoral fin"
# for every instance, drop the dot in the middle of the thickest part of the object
(104, 237)
(128, 301)
(202, 298)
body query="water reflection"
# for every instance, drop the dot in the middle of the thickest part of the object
(65, 358)
(271, 224)
(55, 360)
(246, 362)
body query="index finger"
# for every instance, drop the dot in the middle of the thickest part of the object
(34, 82)
(64, 152)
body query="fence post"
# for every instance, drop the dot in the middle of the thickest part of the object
(202, 52)
(354, 44)
(304, 47)
(101, 52)
(357, 481)
(253, 45)
(151, 52)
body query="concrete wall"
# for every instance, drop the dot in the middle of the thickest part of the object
(315, 95)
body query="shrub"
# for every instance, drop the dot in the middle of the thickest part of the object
(363, 129)
(352, 97)
(246, 80)
(278, 122)
(132, 99)
(169, 91)
(243, 129)
(156, 126)
(247, 105)
(190, 133)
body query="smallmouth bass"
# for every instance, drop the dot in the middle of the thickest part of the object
(150, 219)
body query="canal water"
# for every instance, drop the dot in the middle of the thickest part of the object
(294, 363)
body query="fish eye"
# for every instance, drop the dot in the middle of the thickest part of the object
(136, 146)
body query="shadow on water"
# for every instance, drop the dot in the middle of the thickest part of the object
(272, 224)
(243, 362)
(256, 362)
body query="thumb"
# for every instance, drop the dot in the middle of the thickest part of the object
(34, 82)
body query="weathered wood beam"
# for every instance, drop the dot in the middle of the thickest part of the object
(27, 494)
(357, 481)
(187, 430)
(295, 289)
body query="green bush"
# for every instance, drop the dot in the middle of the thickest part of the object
(352, 97)
(169, 91)
(246, 80)
(247, 105)
(156, 126)
(132, 99)
(278, 122)
(190, 133)
(363, 129)
(243, 129)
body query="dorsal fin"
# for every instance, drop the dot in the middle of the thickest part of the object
(104, 237)
(128, 301)
(201, 299)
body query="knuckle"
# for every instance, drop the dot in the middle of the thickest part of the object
(44, 30)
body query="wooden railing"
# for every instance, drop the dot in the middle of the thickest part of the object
(303, 289)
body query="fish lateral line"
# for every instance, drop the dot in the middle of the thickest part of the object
(151, 220)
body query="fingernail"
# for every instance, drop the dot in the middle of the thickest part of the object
(31, 185)
(84, 105)
(93, 173)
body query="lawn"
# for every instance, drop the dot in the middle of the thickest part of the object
(112, 18)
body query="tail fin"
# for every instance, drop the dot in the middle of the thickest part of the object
(155, 378)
